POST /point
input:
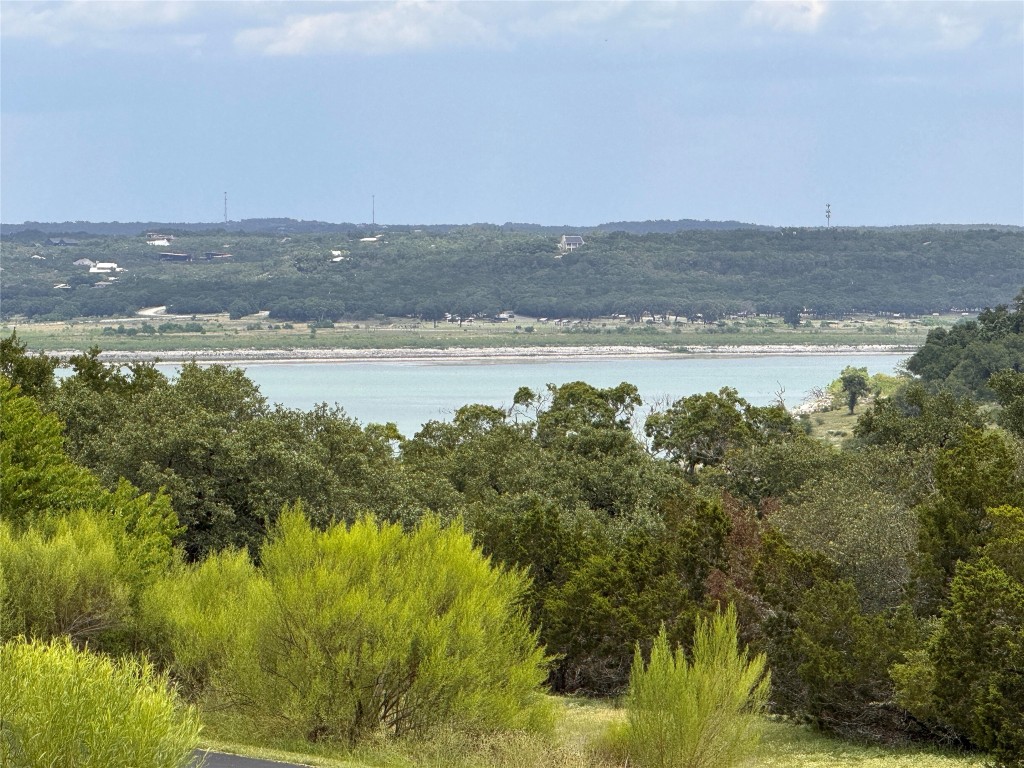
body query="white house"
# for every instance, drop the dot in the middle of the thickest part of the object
(570, 243)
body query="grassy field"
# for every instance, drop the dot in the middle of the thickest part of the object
(218, 332)
(577, 743)
(835, 426)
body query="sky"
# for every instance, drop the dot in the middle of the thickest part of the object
(543, 112)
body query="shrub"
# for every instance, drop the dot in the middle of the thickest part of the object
(59, 706)
(191, 618)
(81, 574)
(699, 713)
(64, 584)
(359, 629)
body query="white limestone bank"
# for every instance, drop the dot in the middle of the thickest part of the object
(489, 354)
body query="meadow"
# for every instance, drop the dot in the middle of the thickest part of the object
(218, 332)
(579, 741)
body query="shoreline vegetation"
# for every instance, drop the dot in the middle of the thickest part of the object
(253, 340)
(153, 334)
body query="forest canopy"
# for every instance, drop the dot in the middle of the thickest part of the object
(298, 275)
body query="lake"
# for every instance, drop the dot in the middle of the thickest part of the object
(412, 393)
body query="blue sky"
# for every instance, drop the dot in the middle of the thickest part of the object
(550, 112)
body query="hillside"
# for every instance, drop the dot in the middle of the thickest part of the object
(426, 272)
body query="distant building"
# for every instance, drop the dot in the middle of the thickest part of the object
(160, 241)
(62, 241)
(175, 256)
(210, 255)
(84, 263)
(105, 267)
(570, 243)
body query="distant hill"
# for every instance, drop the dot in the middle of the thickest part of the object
(133, 228)
(299, 226)
(487, 269)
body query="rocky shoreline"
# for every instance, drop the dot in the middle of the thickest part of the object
(486, 354)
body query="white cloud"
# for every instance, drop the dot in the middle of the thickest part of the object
(379, 27)
(374, 28)
(786, 15)
(943, 25)
(551, 19)
(954, 31)
(386, 27)
(102, 24)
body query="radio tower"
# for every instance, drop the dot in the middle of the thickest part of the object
(373, 211)
(225, 207)
(828, 215)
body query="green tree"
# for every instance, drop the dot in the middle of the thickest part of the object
(964, 358)
(916, 420)
(36, 476)
(781, 578)
(844, 658)
(32, 373)
(862, 526)
(983, 471)
(760, 473)
(979, 659)
(855, 384)
(967, 679)
(577, 405)
(700, 429)
(626, 582)
(1009, 388)
(229, 462)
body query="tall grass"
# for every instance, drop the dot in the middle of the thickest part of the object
(702, 713)
(74, 709)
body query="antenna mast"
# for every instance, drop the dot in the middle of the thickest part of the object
(225, 207)
(828, 215)
(373, 210)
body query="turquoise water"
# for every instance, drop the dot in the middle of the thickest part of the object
(412, 393)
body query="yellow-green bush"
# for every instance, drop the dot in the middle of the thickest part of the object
(64, 583)
(59, 706)
(699, 713)
(358, 629)
(74, 556)
(79, 574)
